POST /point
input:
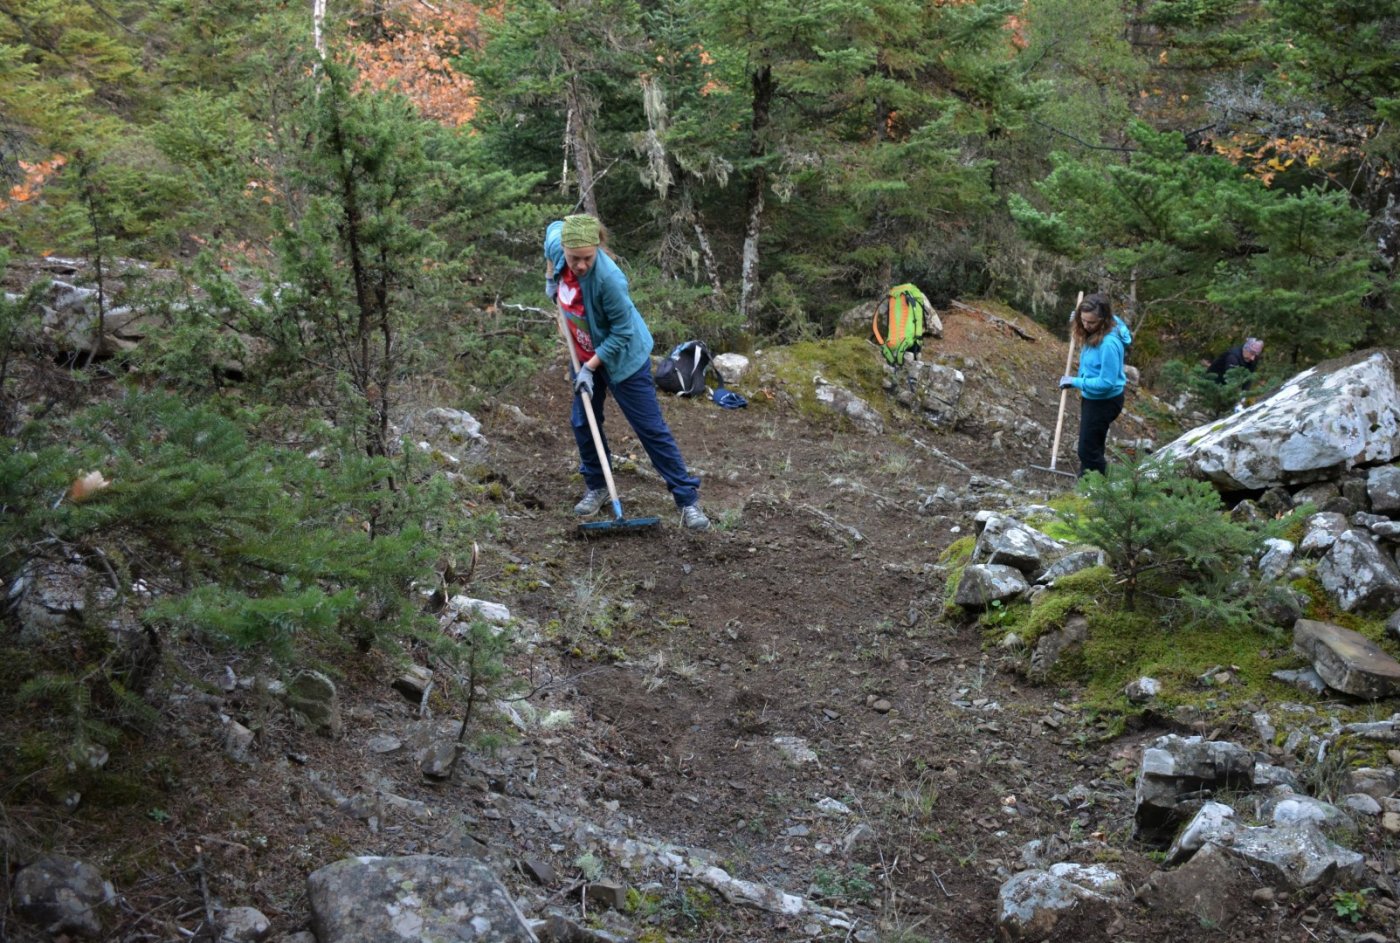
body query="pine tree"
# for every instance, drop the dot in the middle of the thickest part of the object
(1180, 231)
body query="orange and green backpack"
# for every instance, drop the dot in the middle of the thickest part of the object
(904, 323)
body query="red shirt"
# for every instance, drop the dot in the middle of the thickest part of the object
(571, 299)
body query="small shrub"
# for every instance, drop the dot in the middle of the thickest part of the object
(1156, 526)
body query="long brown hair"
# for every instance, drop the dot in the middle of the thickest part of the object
(1095, 305)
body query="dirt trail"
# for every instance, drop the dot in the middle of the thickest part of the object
(814, 610)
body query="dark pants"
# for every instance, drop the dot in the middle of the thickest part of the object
(1095, 416)
(636, 397)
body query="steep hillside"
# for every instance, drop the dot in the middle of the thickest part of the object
(785, 697)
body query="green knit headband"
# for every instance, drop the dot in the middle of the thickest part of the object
(580, 231)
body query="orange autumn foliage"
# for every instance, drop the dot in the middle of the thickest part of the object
(1269, 156)
(36, 174)
(415, 56)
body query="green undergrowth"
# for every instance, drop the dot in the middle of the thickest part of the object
(1122, 646)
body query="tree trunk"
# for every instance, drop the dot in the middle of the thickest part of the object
(578, 143)
(763, 88)
(318, 22)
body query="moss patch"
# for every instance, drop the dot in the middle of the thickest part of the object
(848, 362)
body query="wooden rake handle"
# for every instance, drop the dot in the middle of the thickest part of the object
(1064, 393)
(588, 411)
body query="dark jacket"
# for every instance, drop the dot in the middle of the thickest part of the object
(1234, 357)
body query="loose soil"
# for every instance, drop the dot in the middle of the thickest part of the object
(814, 609)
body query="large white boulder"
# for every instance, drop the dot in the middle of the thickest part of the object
(1329, 418)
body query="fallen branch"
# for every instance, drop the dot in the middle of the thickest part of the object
(831, 523)
(944, 456)
(998, 321)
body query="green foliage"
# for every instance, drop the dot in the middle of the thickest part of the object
(852, 885)
(207, 533)
(19, 327)
(1182, 226)
(1203, 392)
(270, 549)
(1350, 905)
(1163, 532)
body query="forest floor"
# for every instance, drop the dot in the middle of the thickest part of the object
(814, 609)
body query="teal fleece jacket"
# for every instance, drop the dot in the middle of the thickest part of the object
(620, 336)
(1101, 369)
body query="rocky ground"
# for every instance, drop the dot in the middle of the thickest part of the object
(785, 696)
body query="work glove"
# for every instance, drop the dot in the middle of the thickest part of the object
(1066, 382)
(583, 382)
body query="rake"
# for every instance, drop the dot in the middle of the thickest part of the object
(1064, 397)
(618, 524)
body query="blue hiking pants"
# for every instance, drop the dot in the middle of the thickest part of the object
(636, 397)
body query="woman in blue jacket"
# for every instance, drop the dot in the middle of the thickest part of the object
(614, 347)
(1100, 379)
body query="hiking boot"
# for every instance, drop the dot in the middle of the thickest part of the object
(591, 502)
(692, 518)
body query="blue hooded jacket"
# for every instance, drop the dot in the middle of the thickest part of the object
(620, 336)
(1101, 368)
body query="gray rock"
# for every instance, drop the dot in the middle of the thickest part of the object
(62, 895)
(368, 900)
(436, 760)
(733, 367)
(1318, 493)
(1383, 488)
(1322, 532)
(1366, 520)
(1276, 558)
(1333, 416)
(858, 839)
(1354, 490)
(50, 595)
(1007, 541)
(609, 894)
(1288, 808)
(1175, 768)
(845, 403)
(1142, 690)
(1386, 731)
(465, 609)
(413, 682)
(1297, 856)
(1052, 646)
(238, 742)
(1359, 575)
(1359, 803)
(1072, 562)
(1041, 853)
(448, 426)
(1281, 605)
(1347, 661)
(1264, 727)
(984, 583)
(1376, 783)
(1304, 679)
(1267, 776)
(935, 391)
(1213, 823)
(243, 925)
(1032, 903)
(315, 703)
